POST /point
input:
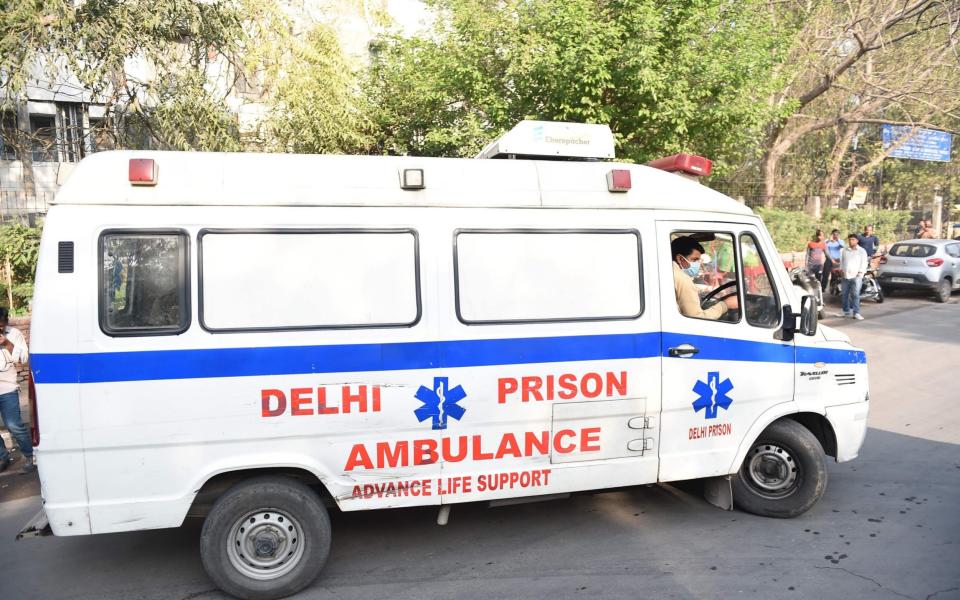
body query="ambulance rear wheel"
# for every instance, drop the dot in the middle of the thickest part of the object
(265, 538)
(783, 474)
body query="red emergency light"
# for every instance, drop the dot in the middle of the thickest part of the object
(618, 180)
(143, 171)
(691, 164)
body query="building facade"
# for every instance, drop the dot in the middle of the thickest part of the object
(58, 122)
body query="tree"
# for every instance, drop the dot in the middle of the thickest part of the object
(315, 105)
(684, 75)
(912, 184)
(19, 249)
(856, 65)
(147, 62)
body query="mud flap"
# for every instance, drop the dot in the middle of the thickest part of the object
(38, 526)
(718, 491)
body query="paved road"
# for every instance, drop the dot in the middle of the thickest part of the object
(888, 526)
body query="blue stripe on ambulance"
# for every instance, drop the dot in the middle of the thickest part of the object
(106, 367)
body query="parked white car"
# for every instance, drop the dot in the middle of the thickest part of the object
(922, 264)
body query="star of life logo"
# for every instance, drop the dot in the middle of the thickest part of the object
(440, 402)
(538, 133)
(713, 395)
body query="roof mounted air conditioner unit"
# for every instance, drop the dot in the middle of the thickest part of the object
(551, 140)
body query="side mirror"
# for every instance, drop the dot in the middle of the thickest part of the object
(785, 333)
(808, 315)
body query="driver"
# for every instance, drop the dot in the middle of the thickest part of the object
(686, 253)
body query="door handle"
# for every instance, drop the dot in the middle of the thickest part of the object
(683, 350)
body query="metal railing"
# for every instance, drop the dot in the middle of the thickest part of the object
(19, 207)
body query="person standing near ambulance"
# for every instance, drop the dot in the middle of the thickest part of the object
(853, 265)
(834, 247)
(13, 350)
(816, 255)
(870, 244)
(686, 253)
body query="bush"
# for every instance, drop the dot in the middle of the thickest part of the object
(791, 230)
(19, 248)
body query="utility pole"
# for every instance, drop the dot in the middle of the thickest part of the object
(937, 210)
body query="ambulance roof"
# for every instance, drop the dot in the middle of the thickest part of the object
(252, 179)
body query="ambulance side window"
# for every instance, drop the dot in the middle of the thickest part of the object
(144, 283)
(537, 276)
(299, 279)
(762, 307)
(713, 274)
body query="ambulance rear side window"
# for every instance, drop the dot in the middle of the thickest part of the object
(144, 283)
(288, 279)
(516, 276)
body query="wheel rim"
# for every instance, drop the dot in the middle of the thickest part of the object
(265, 544)
(771, 470)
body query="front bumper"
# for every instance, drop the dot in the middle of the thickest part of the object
(849, 422)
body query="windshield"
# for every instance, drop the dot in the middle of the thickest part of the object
(912, 250)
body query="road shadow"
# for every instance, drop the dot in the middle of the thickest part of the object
(15, 485)
(662, 539)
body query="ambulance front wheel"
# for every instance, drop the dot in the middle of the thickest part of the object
(265, 538)
(783, 474)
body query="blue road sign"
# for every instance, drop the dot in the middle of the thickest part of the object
(926, 144)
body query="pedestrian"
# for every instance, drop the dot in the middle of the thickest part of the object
(868, 241)
(927, 232)
(853, 265)
(834, 246)
(13, 350)
(816, 255)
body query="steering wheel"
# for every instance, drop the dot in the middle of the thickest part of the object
(713, 297)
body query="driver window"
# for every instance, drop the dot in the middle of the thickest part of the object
(705, 275)
(762, 308)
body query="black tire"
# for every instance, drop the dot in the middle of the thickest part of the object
(286, 545)
(942, 294)
(783, 474)
(887, 290)
(879, 295)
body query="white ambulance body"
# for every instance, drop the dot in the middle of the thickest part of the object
(248, 336)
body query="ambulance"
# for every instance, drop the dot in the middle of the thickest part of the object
(256, 339)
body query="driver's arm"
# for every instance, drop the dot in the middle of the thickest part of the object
(688, 300)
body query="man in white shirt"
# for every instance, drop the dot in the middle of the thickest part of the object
(853, 265)
(13, 351)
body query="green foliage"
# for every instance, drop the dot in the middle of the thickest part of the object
(791, 230)
(684, 75)
(19, 248)
(316, 106)
(20, 245)
(185, 116)
(147, 61)
(909, 183)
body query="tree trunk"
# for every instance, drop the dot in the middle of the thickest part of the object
(770, 162)
(845, 135)
(8, 279)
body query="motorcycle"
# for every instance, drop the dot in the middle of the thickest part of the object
(869, 288)
(836, 276)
